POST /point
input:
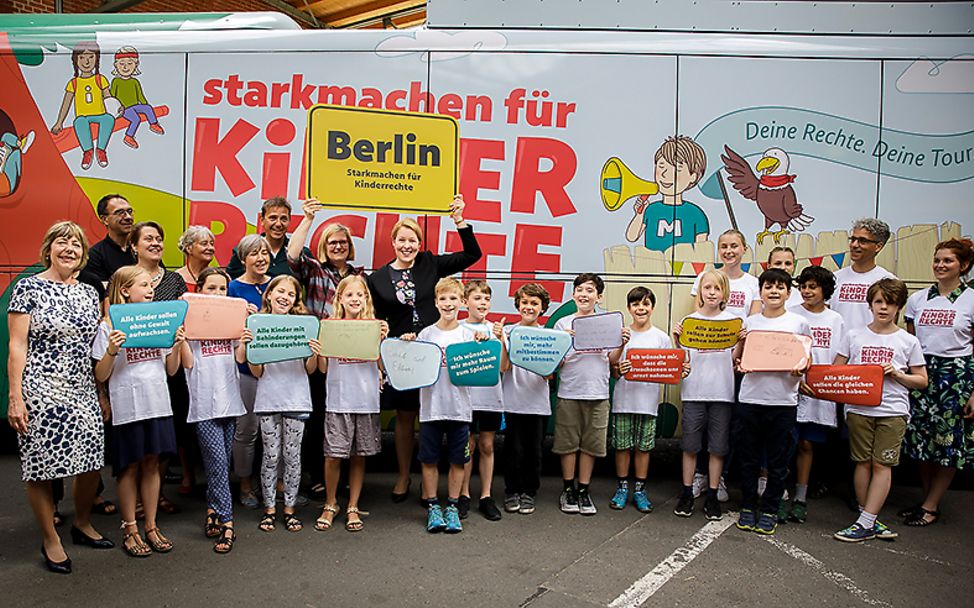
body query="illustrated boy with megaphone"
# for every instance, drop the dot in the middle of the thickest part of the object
(680, 163)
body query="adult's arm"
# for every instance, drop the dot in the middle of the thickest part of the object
(451, 263)
(18, 324)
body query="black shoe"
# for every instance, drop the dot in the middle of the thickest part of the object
(401, 497)
(56, 567)
(463, 506)
(488, 508)
(80, 538)
(711, 507)
(684, 508)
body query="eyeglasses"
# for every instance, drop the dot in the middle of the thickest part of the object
(862, 240)
(337, 244)
(123, 212)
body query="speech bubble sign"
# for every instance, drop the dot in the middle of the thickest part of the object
(850, 384)
(148, 324)
(704, 334)
(538, 349)
(350, 338)
(382, 160)
(410, 364)
(775, 351)
(598, 332)
(280, 337)
(474, 363)
(214, 317)
(660, 365)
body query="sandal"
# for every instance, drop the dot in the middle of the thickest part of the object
(353, 525)
(292, 523)
(322, 524)
(161, 544)
(267, 522)
(212, 527)
(138, 548)
(105, 507)
(919, 519)
(167, 506)
(911, 511)
(225, 543)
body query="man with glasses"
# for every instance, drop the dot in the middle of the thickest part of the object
(275, 220)
(112, 252)
(869, 236)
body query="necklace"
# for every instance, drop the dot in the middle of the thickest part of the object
(158, 276)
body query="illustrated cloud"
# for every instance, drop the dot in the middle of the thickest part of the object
(952, 76)
(447, 46)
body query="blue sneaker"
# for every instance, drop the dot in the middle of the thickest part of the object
(766, 524)
(434, 519)
(642, 502)
(855, 533)
(452, 525)
(883, 532)
(747, 520)
(620, 498)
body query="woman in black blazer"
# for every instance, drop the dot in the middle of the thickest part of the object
(402, 293)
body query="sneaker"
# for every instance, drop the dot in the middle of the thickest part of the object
(512, 503)
(568, 502)
(883, 532)
(766, 524)
(527, 505)
(249, 500)
(157, 129)
(855, 533)
(463, 506)
(722, 495)
(86, 157)
(642, 502)
(699, 484)
(102, 157)
(746, 520)
(684, 507)
(488, 508)
(783, 512)
(711, 508)
(452, 516)
(620, 498)
(799, 511)
(762, 484)
(585, 504)
(434, 519)
(129, 141)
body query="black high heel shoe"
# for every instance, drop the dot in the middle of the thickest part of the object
(401, 497)
(80, 538)
(56, 567)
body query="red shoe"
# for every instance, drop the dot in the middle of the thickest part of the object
(86, 160)
(130, 142)
(157, 128)
(102, 158)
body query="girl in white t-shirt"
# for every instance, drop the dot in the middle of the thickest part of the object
(744, 298)
(141, 412)
(214, 405)
(352, 427)
(282, 403)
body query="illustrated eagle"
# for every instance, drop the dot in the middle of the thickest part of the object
(772, 192)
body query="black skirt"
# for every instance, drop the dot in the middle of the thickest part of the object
(136, 440)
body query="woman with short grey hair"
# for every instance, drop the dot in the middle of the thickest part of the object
(199, 246)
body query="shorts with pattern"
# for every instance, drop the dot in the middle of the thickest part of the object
(630, 431)
(349, 435)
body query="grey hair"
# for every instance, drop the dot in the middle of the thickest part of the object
(193, 235)
(876, 227)
(250, 244)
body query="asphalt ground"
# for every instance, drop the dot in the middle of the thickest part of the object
(548, 559)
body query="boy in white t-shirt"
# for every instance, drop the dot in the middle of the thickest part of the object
(876, 433)
(869, 236)
(767, 410)
(582, 408)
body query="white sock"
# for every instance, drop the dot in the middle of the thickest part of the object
(800, 492)
(866, 520)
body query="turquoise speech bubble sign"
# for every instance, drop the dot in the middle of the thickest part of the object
(537, 349)
(474, 363)
(410, 364)
(280, 337)
(148, 324)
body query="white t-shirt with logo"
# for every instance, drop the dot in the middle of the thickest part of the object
(828, 331)
(849, 299)
(352, 386)
(773, 388)
(902, 349)
(944, 328)
(524, 392)
(445, 400)
(743, 291)
(137, 387)
(630, 397)
(213, 381)
(584, 373)
(485, 398)
(283, 388)
(711, 371)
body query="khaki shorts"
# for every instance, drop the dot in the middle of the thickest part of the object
(349, 435)
(876, 438)
(581, 424)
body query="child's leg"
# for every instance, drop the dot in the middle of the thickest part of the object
(150, 488)
(645, 441)
(431, 479)
(694, 424)
(128, 492)
(748, 452)
(216, 441)
(430, 443)
(356, 478)
(458, 454)
(861, 479)
(106, 122)
(333, 471)
(594, 436)
(779, 430)
(689, 467)
(642, 464)
(623, 458)
(514, 453)
(131, 114)
(486, 443)
(568, 436)
(568, 466)
(803, 466)
(82, 128)
(532, 440)
(293, 433)
(454, 481)
(878, 490)
(224, 497)
(405, 422)
(271, 435)
(586, 464)
(468, 468)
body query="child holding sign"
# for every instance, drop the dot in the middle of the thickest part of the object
(352, 427)
(282, 404)
(876, 433)
(141, 412)
(768, 404)
(634, 405)
(708, 397)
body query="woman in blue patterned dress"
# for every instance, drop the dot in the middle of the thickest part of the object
(52, 320)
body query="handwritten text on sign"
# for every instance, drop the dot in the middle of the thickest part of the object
(775, 351)
(851, 384)
(280, 337)
(537, 349)
(214, 317)
(410, 364)
(704, 334)
(664, 366)
(350, 339)
(148, 324)
(598, 332)
(474, 363)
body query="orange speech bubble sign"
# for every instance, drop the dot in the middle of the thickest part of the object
(660, 365)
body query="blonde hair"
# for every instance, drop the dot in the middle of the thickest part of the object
(368, 311)
(67, 230)
(127, 50)
(733, 232)
(297, 308)
(123, 278)
(448, 284)
(407, 222)
(329, 230)
(722, 281)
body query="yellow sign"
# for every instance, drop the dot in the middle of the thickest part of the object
(382, 160)
(350, 338)
(704, 334)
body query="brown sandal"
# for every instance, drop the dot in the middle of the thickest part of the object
(161, 544)
(138, 548)
(224, 544)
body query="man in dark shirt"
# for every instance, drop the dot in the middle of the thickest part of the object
(275, 219)
(111, 253)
